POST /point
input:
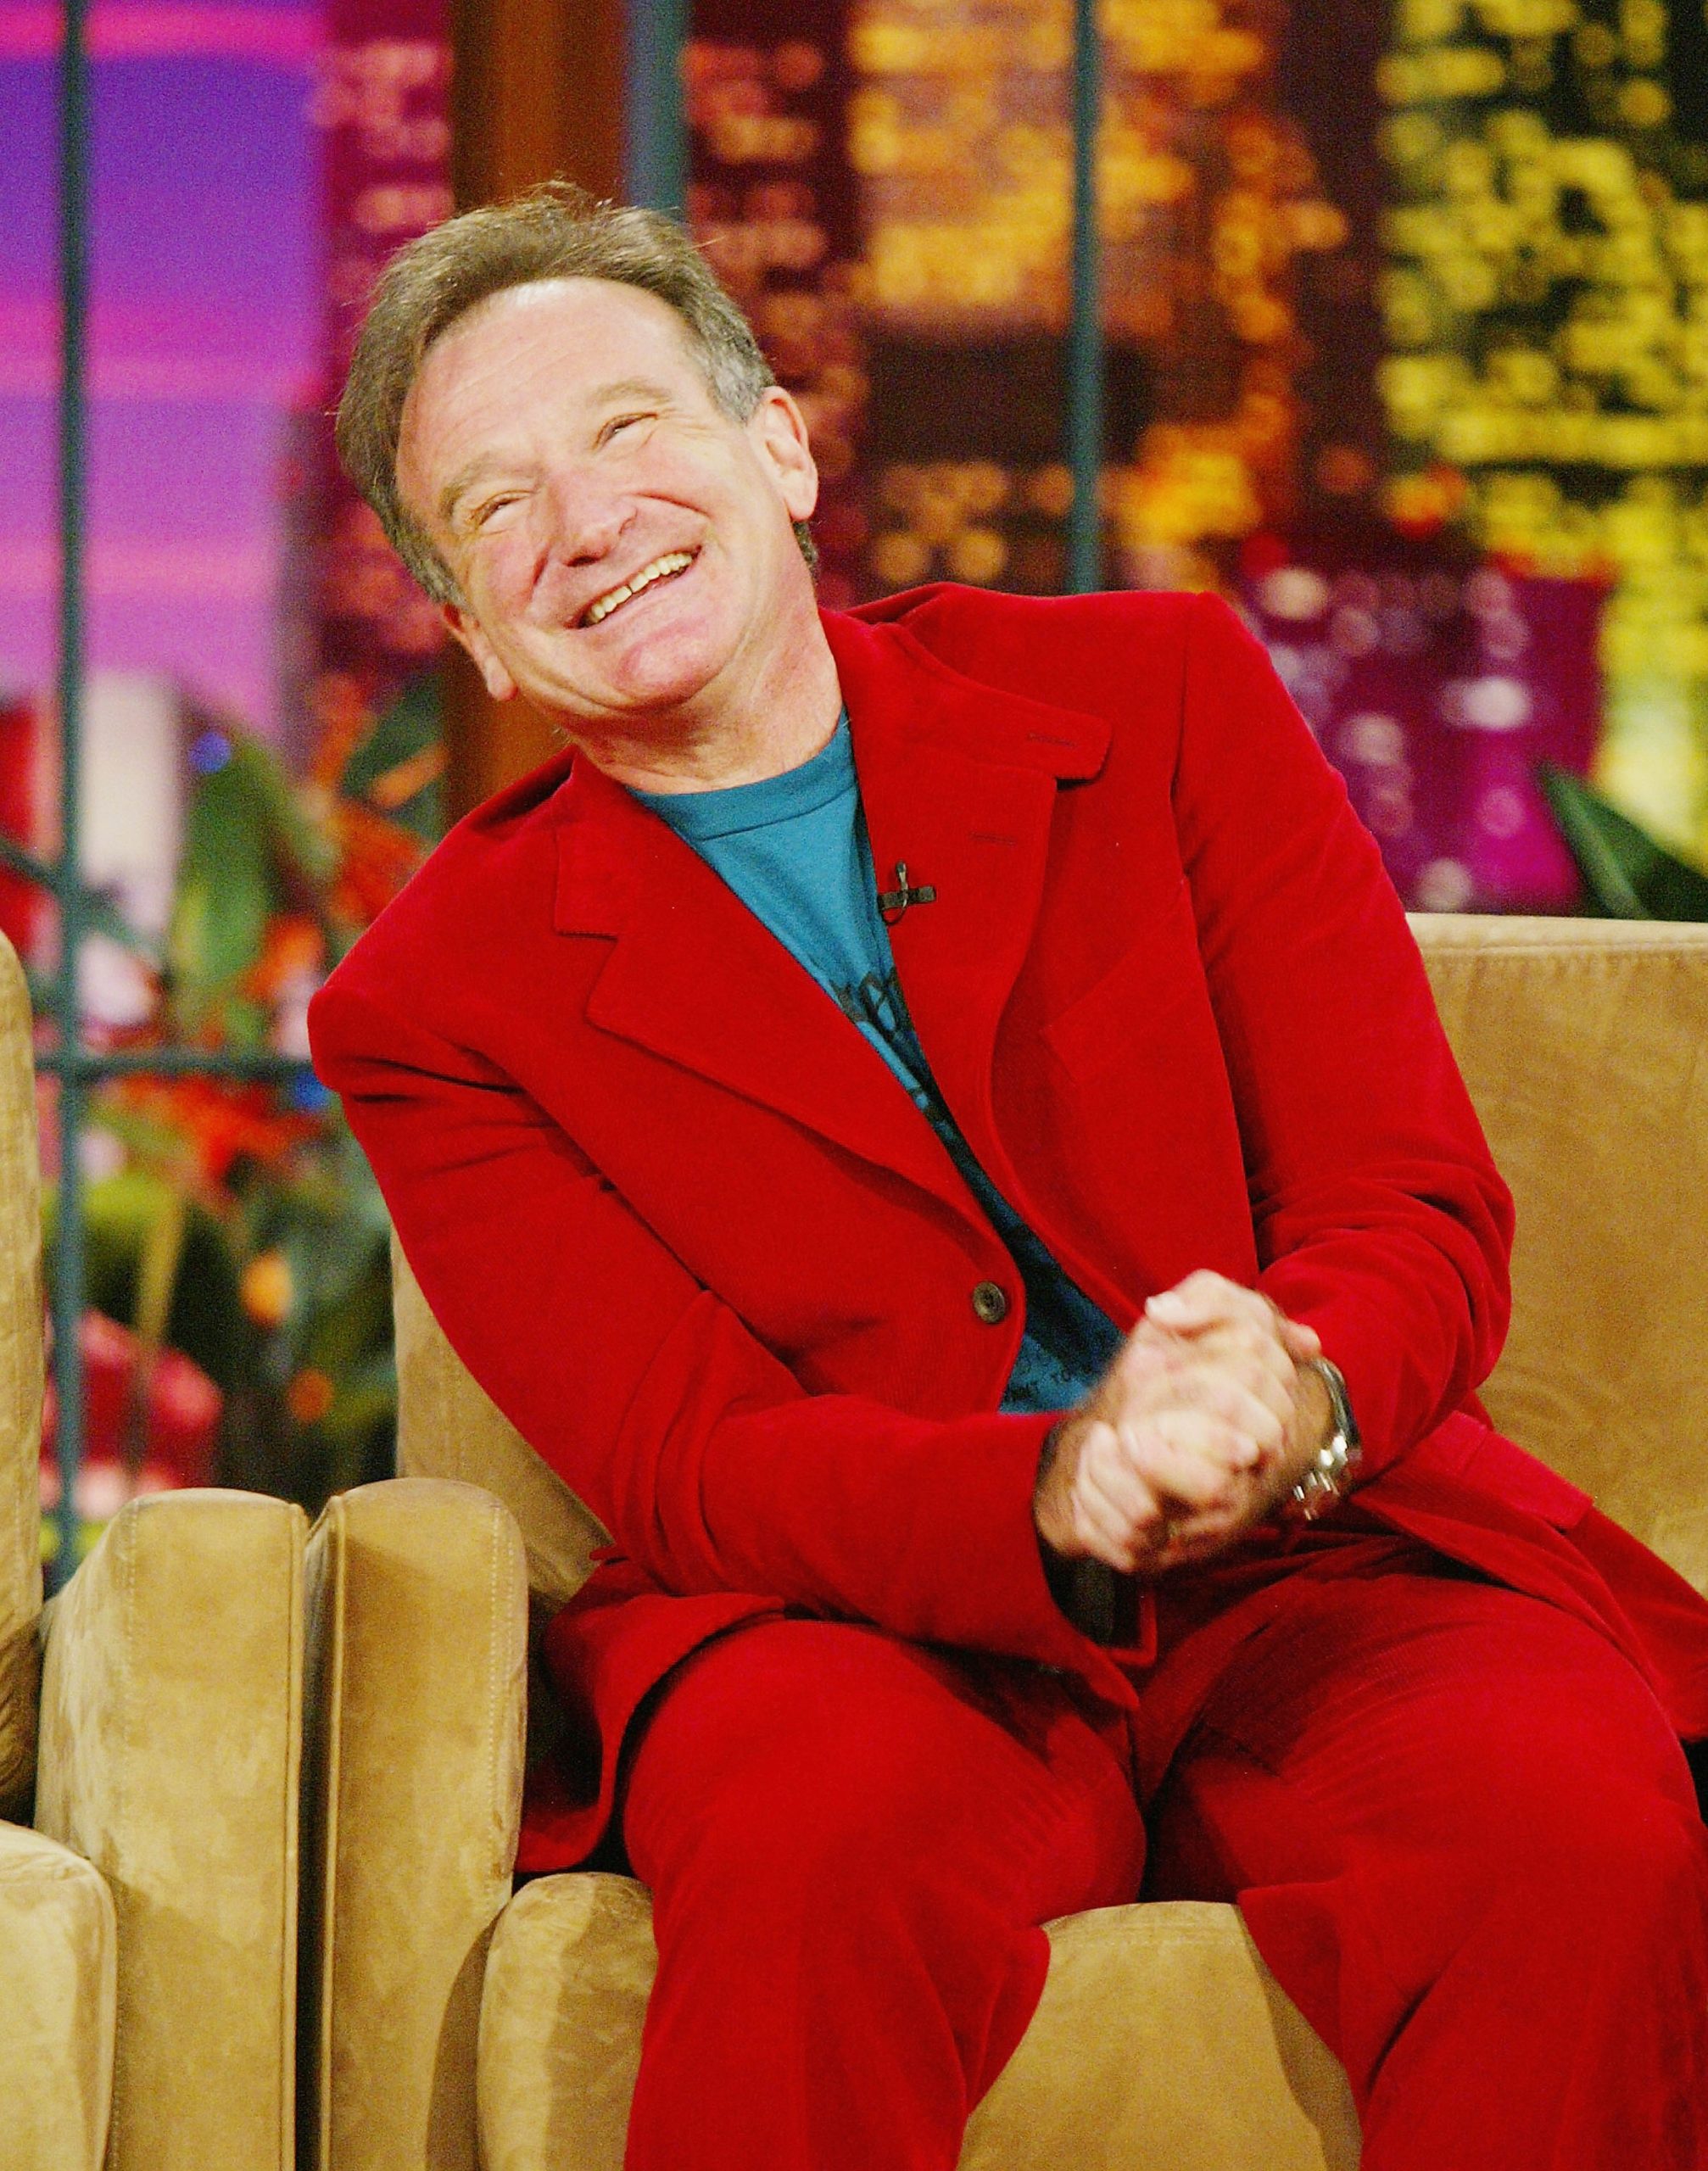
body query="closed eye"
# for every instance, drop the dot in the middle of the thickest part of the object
(622, 422)
(479, 515)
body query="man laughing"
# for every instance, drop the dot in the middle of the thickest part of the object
(932, 1122)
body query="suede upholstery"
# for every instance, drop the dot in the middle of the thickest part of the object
(172, 1730)
(20, 1389)
(1161, 2039)
(1582, 1042)
(147, 1927)
(417, 1602)
(1101, 2079)
(58, 1957)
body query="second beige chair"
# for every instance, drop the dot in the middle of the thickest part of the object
(148, 1923)
(451, 2020)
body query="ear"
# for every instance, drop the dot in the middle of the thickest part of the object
(463, 626)
(780, 430)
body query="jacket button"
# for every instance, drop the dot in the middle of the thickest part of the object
(991, 1303)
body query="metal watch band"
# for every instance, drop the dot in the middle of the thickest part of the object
(1333, 1470)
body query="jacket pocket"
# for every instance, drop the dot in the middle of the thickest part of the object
(1463, 1447)
(1160, 973)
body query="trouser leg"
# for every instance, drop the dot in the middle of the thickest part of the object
(850, 1843)
(1467, 1844)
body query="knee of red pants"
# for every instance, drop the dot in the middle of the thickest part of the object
(1569, 2026)
(819, 1802)
(1405, 1771)
(794, 1744)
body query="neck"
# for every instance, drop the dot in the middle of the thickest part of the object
(780, 716)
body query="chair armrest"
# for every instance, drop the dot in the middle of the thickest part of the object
(417, 1626)
(57, 1940)
(170, 1759)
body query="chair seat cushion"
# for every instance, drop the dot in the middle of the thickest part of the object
(1162, 2044)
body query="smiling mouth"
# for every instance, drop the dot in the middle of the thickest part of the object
(662, 569)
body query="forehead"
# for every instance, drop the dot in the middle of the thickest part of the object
(567, 318)
(545, 347)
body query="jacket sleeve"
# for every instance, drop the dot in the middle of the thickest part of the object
(1379, 1218)
(695, 1446)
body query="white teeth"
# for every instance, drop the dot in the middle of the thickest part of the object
(673, 561)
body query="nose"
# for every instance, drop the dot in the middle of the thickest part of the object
(581, 517)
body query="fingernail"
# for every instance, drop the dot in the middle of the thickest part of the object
(1167, 1306)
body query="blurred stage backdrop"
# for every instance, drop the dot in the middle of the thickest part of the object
(1407, 318)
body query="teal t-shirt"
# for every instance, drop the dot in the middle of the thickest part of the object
(794, 849)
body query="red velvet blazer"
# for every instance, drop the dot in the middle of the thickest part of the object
(686, 1228)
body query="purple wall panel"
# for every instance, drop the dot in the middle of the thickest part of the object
(204, 330)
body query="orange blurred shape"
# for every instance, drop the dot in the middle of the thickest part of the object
(266, 1288)
(310, 1396)
(377, 857)
(294, 945)
(221, 1120)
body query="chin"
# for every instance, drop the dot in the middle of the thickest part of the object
(668, 670)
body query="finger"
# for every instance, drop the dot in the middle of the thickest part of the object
(1106, 1468)
(1241, 1358)
(1109, 1534)
(1228, 1369)
(1206, 1304)
(1252, 1409)
(1156, 1363)
(1191, 1544)
(1099, 1539)
(1200, 1301)
(1256, 1411)
(1190, 1460)
(1190, 1535)
(1147, 1356)
(1114, 1502)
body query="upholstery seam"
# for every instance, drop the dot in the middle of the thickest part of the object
(128, 1604)
(492, 1684)
(1527, 952)
(289, 1840)
(332, 1792)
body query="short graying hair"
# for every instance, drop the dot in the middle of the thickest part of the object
(555, 232)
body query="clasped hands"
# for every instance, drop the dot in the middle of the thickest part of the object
(1199, 1427)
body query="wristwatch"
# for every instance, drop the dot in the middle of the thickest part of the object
(1333, 1470)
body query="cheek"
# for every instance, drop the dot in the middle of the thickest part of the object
(501, 576)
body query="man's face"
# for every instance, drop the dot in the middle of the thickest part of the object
(622, 546)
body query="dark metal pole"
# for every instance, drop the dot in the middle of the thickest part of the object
(87, 1066)
(1085, 324)
(74, 297)
(655, 156)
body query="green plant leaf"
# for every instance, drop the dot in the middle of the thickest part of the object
(396, 754)
(1625, 874)
(205, 1319)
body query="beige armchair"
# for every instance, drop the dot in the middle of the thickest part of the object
(452, 2023)
(148, 1923)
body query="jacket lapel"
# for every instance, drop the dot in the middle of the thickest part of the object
(958, 781)
(693, 976)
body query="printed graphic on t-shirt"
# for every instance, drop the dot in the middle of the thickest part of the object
(876, 1004)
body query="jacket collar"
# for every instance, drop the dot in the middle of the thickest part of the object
(958, 781)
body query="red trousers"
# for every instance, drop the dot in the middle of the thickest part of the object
(1455, 1821)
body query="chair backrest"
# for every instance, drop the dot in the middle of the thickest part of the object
(450, 1427)
(1585, 1046)
(20, 1389)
